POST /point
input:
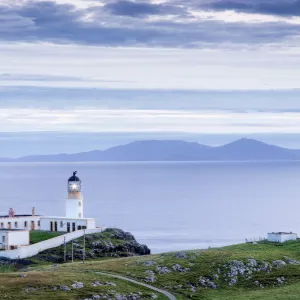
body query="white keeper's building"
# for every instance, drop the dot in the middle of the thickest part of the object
(73, 220)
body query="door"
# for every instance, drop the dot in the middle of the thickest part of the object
(32, 225)
(73, 226)
(55, 226)
(68, 227)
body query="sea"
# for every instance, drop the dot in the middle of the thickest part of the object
(168, 206)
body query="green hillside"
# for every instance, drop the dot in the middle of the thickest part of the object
(240, 272)
(246, 271)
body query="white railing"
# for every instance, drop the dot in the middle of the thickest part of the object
(29, 251)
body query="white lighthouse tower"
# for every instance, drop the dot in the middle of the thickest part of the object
(74, 201)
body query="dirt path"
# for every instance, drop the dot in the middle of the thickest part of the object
(170, 296)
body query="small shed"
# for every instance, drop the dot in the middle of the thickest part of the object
(281, 237)
(13, 238)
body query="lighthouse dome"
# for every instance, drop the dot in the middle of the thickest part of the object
(74, 177)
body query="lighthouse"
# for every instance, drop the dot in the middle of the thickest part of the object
(74, 201)
(73, 219)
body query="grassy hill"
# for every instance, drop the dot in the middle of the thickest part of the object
(53, 284)
(241, 272)
(263, 271)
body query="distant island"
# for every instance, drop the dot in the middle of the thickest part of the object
(168, 150)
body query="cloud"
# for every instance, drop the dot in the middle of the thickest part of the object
(139, 23)
(141, 9)
(280, 8)
(126, 120)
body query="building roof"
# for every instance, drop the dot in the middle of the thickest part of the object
(74, 177)
(7, 229)
(66, 218)
(282, 233)
(16, 216)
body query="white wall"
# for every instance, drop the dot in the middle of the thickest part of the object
(46, 223)
(28, 251)
(281, 238)
(74, 208)
(20, 222)
(14, 238)
(18, 238)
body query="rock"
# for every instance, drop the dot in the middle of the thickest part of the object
(30, 289)
(192, 288)
(96, 283)
(291, 261)
(182, 255)
(179, 268)
(150, 263)
(64, 288)
(279, 263)
(280, 280)
(151, 276)
(163, 270)
(77, 285)
(99, 245)
(252, 262)
(207, 283)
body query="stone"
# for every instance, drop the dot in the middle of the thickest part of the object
(77, 285)
(151, 276)
(279, 263)
(179, 268)
(64, 288)
(163, 270)
(150, 263)
(291, 261)
(207, 283)
(182, 255)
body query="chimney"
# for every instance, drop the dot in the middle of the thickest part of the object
(33, 211)
(11, 213)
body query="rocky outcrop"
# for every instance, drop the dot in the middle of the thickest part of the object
(109, 243)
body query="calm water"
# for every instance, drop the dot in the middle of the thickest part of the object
(168, 206)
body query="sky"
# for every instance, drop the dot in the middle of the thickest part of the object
(79, 75)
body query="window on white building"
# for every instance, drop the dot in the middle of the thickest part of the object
(16, 224)
(25, 224)
(2, 225)
(39, 223)
(79, 203)
(3, 239)
(61, 224)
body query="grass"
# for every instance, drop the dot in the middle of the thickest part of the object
(39, 236)
(202, 263)
(13, 286)
(205, 263)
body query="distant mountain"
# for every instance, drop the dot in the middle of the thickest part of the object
(240, 150)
